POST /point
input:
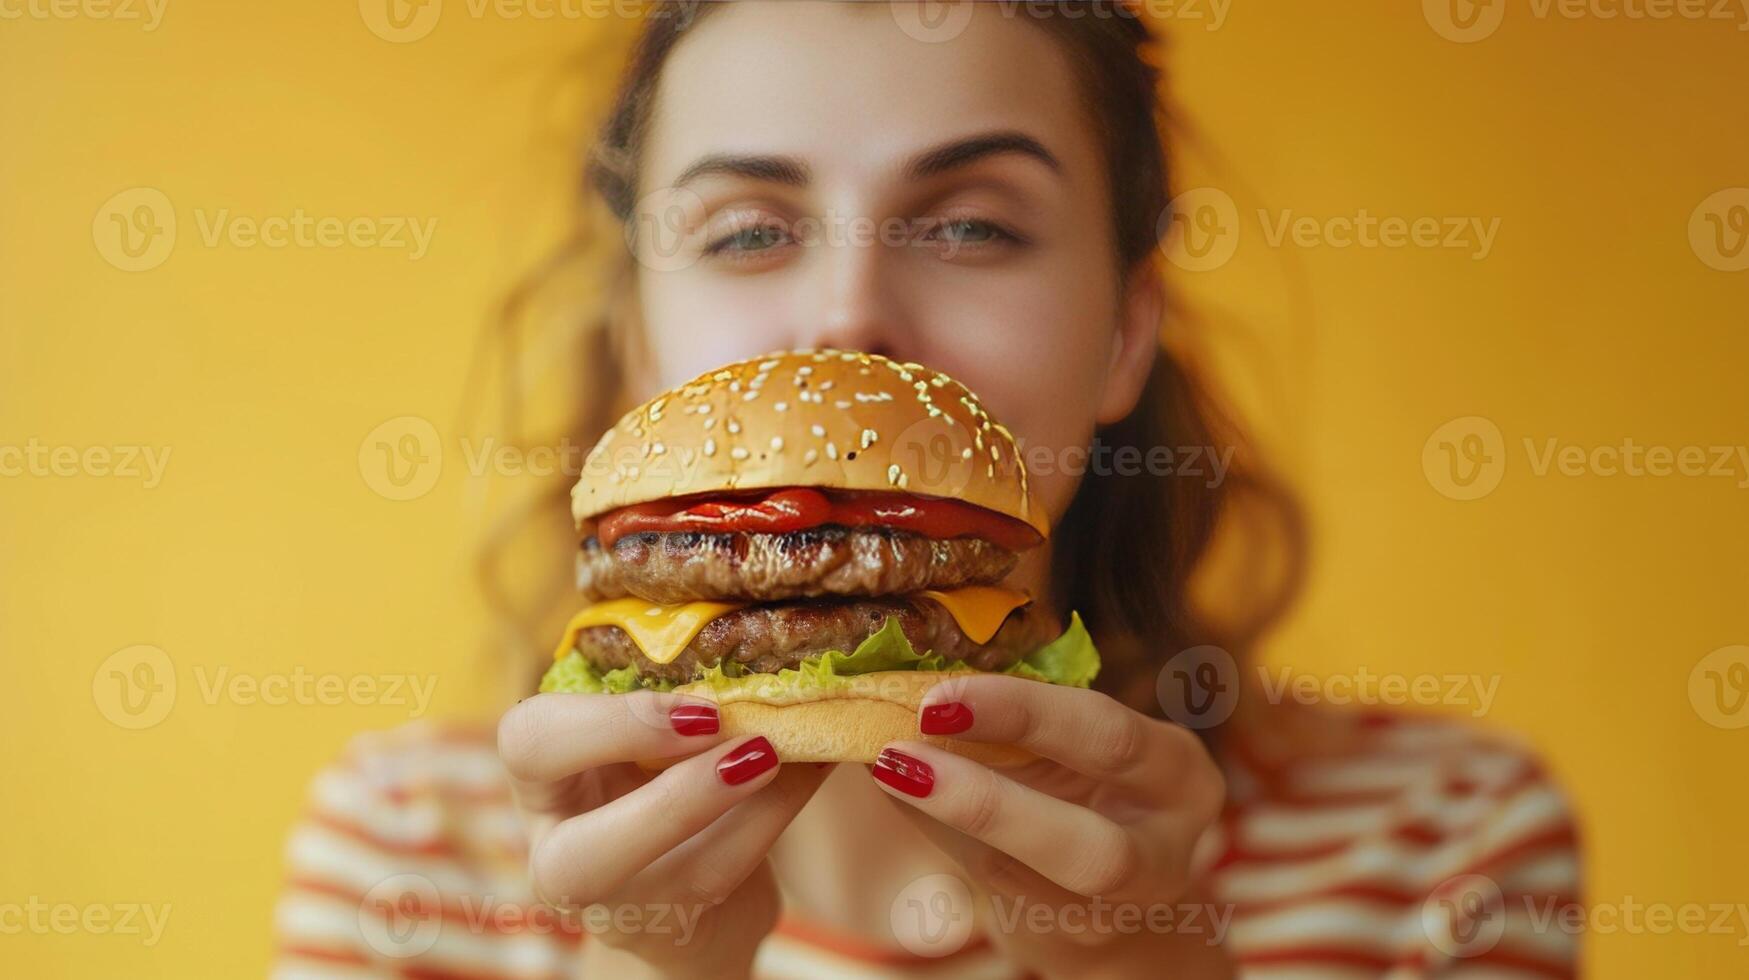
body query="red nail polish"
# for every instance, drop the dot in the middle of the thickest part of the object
(905, 773)
(946, 718)
(747, 761)
(694, 719)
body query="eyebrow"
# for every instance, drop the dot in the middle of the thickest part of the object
(792, 172)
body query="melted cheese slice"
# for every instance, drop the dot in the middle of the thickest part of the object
(662, 632)
(979, 609)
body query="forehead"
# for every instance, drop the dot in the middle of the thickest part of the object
(844, 86)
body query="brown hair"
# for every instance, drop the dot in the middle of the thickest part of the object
(1131, 550)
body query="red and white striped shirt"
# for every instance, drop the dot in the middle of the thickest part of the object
(1352, 845)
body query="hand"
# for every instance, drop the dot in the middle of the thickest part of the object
(652, 847)
(1105, 819)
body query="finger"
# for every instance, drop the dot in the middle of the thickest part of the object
(713, 863)
(1084, 730)
(551, 736)
(1077, 848)
(590, 856)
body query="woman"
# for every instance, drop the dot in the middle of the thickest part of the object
(760, 153)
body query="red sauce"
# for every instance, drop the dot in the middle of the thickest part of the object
(798, 508)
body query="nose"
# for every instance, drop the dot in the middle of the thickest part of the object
(858, 301)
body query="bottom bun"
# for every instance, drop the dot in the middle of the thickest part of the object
(847, 722)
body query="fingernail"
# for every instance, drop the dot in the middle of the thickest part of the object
(946, 718)
(694, 719)
(907, 774)
(750, 759)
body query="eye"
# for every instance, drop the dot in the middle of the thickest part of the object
(749, 239)
(954, 234)
(969, 231)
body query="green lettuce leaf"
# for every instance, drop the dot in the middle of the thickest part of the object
(1070, 660)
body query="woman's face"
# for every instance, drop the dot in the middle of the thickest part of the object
(816, 177)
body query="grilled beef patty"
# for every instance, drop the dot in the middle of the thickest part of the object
(830, 560)
(768, 638)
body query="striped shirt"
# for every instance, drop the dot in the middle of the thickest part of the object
(1352, 845)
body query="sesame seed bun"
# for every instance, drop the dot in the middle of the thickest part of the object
(811, 418)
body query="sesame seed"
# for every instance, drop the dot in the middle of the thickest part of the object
(708, 423)
(818, 430)
(842, 404)
(734, 427)
(868, 437)
(750, 396)
(658, 449)
(777, 444)
(827, 385)
(710, 447)
(739, 452)
(904, 480)
(893, 473)
(966, 453)
(831, 451)
(805, 370)
(782, 406)
(767, 365)
(704, 409)
(810, 456)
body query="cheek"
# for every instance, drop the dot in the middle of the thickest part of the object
(693, 325)
(1037, 352)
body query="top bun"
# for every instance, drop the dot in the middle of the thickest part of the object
(810, 418)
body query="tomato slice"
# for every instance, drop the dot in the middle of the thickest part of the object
(798, 508)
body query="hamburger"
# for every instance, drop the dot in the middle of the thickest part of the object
(812, 540)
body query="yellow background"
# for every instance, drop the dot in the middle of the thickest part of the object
(265, 549)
